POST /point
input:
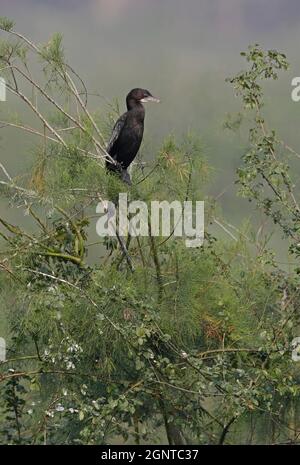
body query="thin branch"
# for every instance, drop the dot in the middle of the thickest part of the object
(226, 430)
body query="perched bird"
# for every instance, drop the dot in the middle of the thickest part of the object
(128, 132)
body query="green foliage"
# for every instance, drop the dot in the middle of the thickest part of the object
(53, 51)
(262, 65)
(265, 176)
(14, 395)
(152, 341)
(6, 24)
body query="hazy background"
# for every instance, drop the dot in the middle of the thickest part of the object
(182, 51)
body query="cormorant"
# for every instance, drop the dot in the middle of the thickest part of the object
(128, 132)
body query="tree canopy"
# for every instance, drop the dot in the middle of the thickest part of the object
(143, 340)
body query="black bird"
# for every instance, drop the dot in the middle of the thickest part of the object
(128, 132)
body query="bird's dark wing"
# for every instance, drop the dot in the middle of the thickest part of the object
(115, 134)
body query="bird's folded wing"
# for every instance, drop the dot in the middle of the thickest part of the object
(115, 134)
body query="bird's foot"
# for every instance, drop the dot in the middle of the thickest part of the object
(125, 177)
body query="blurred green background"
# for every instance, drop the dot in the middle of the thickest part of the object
(180, 51)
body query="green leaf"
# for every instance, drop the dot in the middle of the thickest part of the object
(6, 24)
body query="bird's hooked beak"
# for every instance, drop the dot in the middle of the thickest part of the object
(150, 98)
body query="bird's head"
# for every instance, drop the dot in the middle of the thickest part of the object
(139, 95)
